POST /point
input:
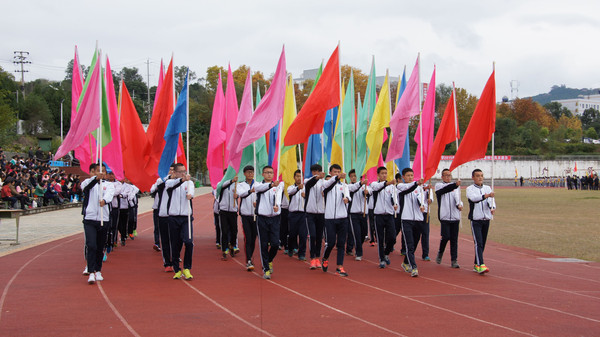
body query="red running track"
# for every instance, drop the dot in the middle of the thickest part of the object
(44, 294)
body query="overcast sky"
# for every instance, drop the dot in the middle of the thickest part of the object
(538, 43)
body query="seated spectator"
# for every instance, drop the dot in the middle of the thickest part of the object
(7, 194)
(51, 193)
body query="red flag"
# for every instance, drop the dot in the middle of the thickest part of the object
(481, 127)
(133, 142)
(447, 133)
(160, 120)
(326, 96)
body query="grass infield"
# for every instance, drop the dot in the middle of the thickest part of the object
(551, 220)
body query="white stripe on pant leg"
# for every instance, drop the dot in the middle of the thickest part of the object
(475, 242)
(376, 236)
(406, 243)
(259, 245)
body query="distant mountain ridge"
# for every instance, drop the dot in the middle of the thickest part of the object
(562, 92)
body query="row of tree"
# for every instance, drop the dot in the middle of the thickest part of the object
(523, 127)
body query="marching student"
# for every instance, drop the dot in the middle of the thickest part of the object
(284, 226)
(411, 212)
(297, 219)
(96, 219)
(180, 191)
(154, 193)
(123, 204)
(449, 208)
(228, 217)
(371, 215)
(337, 196)
(244, 191)
(398, 220)
(217, 221)
(423, 236)
(314, 208)
(163, 220)
(113, 232)
(482, 207)
(358, 218)
(132, 200)
(384, 207)
(268, 210)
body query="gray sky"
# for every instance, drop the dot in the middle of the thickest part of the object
(538, 43)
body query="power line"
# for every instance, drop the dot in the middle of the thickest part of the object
(20, 57)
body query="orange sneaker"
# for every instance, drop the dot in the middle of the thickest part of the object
(325, 265)
(313, 264)
(341, 272)
(318, 263)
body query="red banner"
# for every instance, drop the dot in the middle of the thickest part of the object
(484, 158)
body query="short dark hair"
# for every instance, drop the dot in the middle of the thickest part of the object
(267, 167)
(406, 170)
(93, 166)
(178, 165)
(381, 168)
(335, 166)
(328, 176)
(444, 170)
(475, 171)
(173, 165)
(248, 168)
(297, 172)
(316, 167)
(352, 171)
(398, 176)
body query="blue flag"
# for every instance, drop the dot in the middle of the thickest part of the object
(403, 162)
(177, 125)
(273, 135)
(313, 153)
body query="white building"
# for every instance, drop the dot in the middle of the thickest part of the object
(578, 105)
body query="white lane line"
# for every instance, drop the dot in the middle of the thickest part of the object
(505, 298)
(571, 292)
(12, 279)
(324, 304)
(227, 310)
(115, 311)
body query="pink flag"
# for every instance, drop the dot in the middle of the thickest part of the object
(112, 154)
(244, 115)
(407, 107)
(215, 155)
(270, 109)
(428, 122)
(82, 152)
(231, 111)
(88, 115)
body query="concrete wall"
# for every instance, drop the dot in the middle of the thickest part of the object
(505, 169)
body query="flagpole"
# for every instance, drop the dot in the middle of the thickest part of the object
(355, 129)
(99, 65)
(340, 108)
(187, 145)
(420, 117)
(456, 135)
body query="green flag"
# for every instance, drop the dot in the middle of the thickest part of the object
(106, 134)
(346, 122)
(365, 114)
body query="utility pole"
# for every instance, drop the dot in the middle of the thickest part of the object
(20, 57)
(148, 85)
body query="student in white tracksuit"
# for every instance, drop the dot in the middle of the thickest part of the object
(314, 208)
(244, 192)
(411, 212)
(268, 210)
(358, 217)
(337, 197)
(385, 204)
(96, 219)
(298, 231)
(449, 208)
(482, 207)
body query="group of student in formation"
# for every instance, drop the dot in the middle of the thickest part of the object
(343, 213)
(110, 209)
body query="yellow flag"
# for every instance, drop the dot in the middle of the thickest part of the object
(380, 121)
(288, 163)
(336, 149)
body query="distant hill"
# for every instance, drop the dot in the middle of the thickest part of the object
(562, 92)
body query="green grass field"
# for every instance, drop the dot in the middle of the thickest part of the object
(550, 220)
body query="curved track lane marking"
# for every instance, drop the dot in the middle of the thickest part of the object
(7, 287)
(227, 310)
(571, 292)
(115, 311)
(324, 304)
(500, 296)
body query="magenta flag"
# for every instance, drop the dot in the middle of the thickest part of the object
(407, 107)
(82, 152)
(428, 122)
(244, 115)
(270, 109)
(112, 154)
(88, 114)
(231, 111)
(215, 155)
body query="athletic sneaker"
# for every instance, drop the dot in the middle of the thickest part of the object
(381, 264)
(302, 258)
(85, 271)
(358, 258)
(267, 275)
(99, 276)
(438, 259)
(286, 252)
(92, 278)
(295, 251)
(313, 264)
(454, 265)
(187, 274)
(289, 253)
(366, 239)
(249, 266)
(484, 268)
(372, 244)
(177, 275)
(134, 232)
(414, 273)
(318, 262)
(156, 248)
(386, 258)
(480, 269)
(271, 267)
(407, 268)
(122, 242)
(426, 258)
(350, 253)
(169, 269)
(341, 272)
(225, 253)
(104, 257)
(218, 245)
(236, 250)
(108, 249)
(131, 237)
(325, 265)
